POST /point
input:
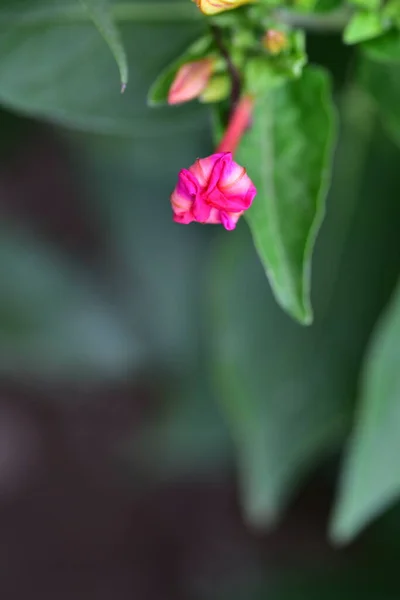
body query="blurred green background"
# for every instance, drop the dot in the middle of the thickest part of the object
(165, 429)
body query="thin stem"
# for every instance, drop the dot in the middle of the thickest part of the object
(233, 71)
(319, 23)
(238, 123)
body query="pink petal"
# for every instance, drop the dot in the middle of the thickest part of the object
(203, 168)
(200, 210)
(220, 160)
(229, 220)
(214, 218)
(183, 218)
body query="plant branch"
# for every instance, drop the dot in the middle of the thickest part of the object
(319, 23)
(233, 71)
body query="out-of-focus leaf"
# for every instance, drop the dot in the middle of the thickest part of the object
(385, 48)
(364, 25)
(287, 154)
(157, 265)
(391, 12)
(303, 584)
(53, 322)
(287, 392)
(371, 476)
(55, 65)
(383, 83)
(100, 11)
(367, 4)
(188, 435)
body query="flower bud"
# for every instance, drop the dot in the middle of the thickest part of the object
(275, 41)
(213, 190)
(213, 7)
(217, 89)
(190, 81)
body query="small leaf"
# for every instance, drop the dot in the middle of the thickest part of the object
(364, 25)
(371, 477)
(385, 48)
(100, 12)
(287, 153)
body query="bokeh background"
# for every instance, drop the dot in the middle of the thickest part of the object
(166, 431)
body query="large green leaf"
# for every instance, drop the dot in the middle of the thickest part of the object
(371, 477)
(288, 153)
(100, 11)
(55, 65)
(287, 391)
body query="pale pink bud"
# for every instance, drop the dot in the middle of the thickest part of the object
(213, 190)
(191, 80)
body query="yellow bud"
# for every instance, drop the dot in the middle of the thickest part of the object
(190, 81)
(213, 7)
(275, 41)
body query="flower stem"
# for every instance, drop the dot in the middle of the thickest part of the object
(233, 71)
(331, 22)
(238, 123)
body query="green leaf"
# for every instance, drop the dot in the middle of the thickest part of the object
(383, 83)
(158, 93)
(371, 474)
(100, 12)
(287, 154)
(287, 391)
(364, 25)
(385, 48)
(54, 65)
(391, 11)
(370, 5)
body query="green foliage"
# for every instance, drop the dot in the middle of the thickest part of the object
(275, 376)
(187, 436)
(288, 151)
(367, 4)
(100, 11)
(364, 25)
(188, 309)
(371, 476)
(385, 48)
(54, 65)
(381, 80)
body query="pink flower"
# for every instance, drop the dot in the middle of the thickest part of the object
(213, 190)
